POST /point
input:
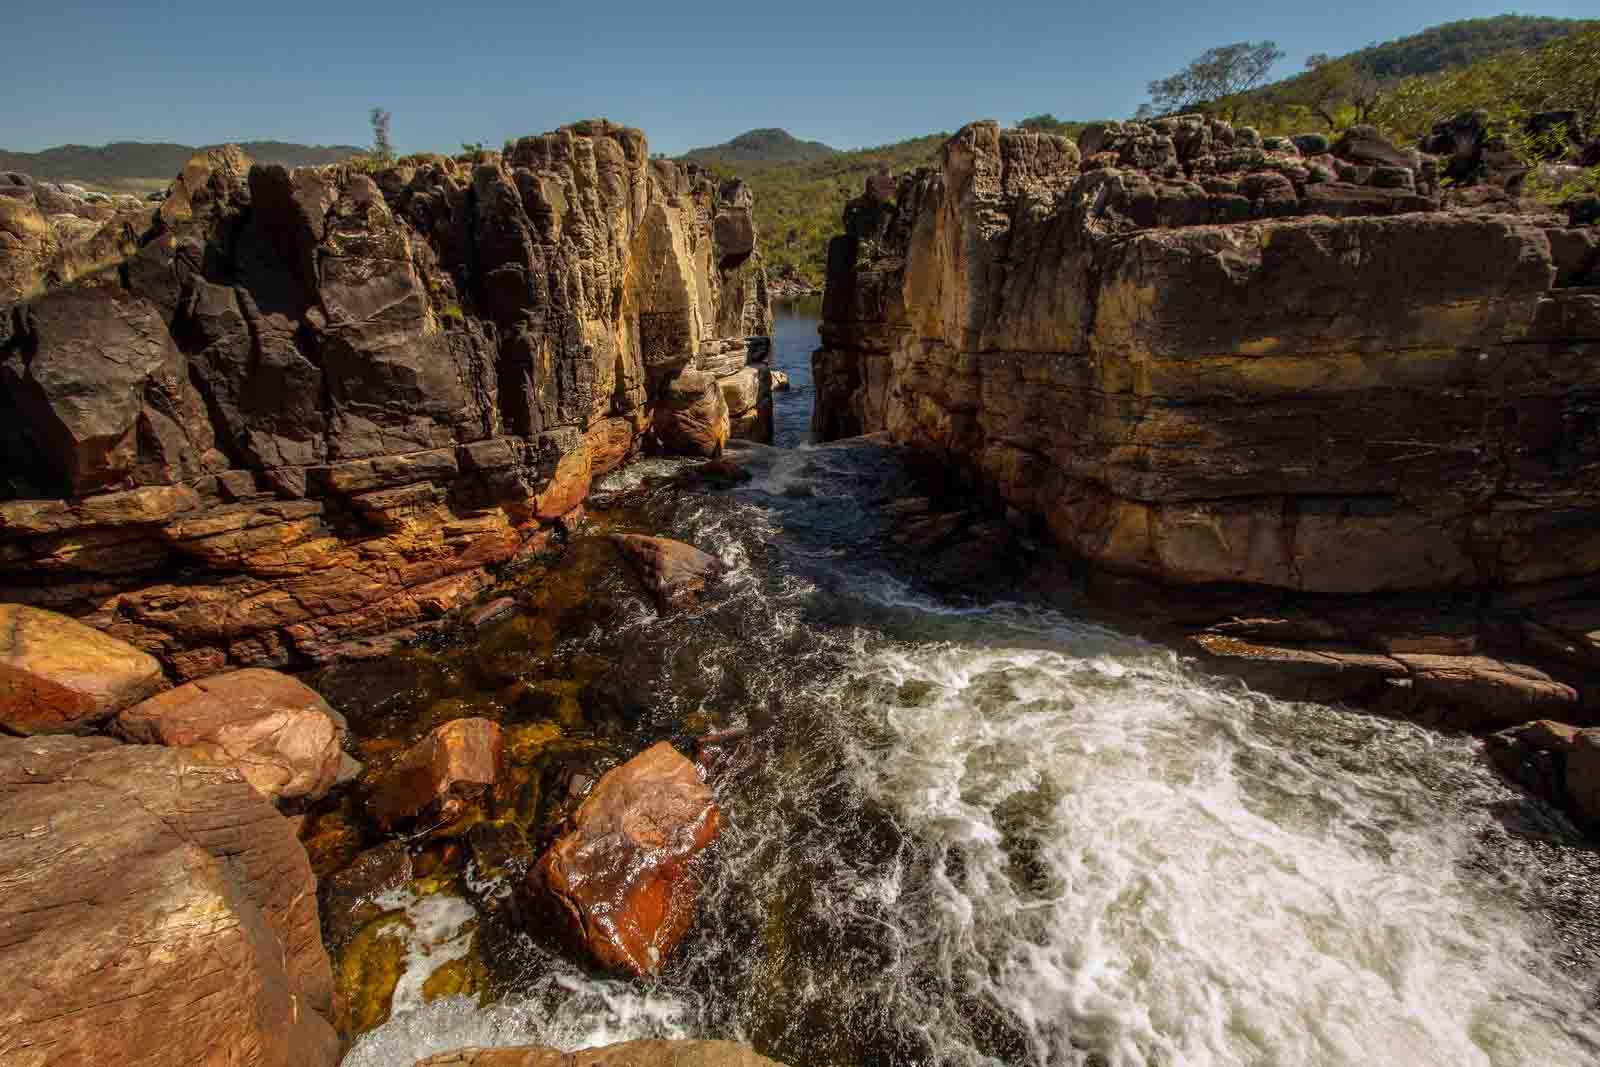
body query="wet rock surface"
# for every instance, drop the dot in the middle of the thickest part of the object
(441, 777)
(674, 573)
(622, 880)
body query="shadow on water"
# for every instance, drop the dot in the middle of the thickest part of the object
(959, 830)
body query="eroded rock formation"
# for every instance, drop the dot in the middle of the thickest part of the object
(293, 415)
(1204, 360)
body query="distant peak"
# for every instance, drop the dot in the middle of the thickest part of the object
(766, 145)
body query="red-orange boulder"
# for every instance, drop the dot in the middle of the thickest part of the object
(675, 573)
(280, 734)
(622, 881)
(443, 775)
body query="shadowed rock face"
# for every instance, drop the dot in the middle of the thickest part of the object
(1201, 362)
(293, 415)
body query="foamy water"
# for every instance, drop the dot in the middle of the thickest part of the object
(993, 833)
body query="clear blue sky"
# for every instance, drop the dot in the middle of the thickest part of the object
(847, 73)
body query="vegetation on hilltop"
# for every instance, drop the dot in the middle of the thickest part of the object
(1562, 75)
(1337, 92)
(799, 204)
(761, 146)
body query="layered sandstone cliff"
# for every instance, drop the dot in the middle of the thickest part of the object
(1276, 393)
(292, 415)
(1201, 361)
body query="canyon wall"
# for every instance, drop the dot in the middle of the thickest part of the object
(288, 416)
(1198, 357)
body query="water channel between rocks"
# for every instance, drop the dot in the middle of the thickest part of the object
(959, 831)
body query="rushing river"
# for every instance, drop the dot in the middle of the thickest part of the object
(972, 832)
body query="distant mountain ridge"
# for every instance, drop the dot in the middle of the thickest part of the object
(767, 145)
(132, 160)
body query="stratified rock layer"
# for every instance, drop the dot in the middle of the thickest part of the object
(1199, 374)
(1204, 361)
(294, 415)
(156, 912)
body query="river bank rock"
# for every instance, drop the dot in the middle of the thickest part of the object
(692, 418)
(158, 911)
(442, 777)
(1554, 761)
(289, 417)
(674, 573)
(1166, 384)
(1212, 365)
(621, 882)
(282, 737)
(59, 676)
(644, 1053)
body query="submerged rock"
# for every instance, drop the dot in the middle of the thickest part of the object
(59, 676)
(279, 733)
(156, 910)
(346, 899)
(675, 573)
(644, 1053)
(621, 883)
(442, 777)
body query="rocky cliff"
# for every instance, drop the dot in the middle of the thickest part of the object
(292, 415)
(1202, 361)
(1283, 377)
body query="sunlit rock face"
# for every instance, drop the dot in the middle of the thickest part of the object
(1200, 360)
(290, 416)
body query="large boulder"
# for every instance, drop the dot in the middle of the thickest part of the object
(621, 882)
(1583, 774)
(644, 1053)
(692, 416)
(156, 912)
(280, 734)
(103, 393)
(675, 573)
(59, 676)
(442, 776)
